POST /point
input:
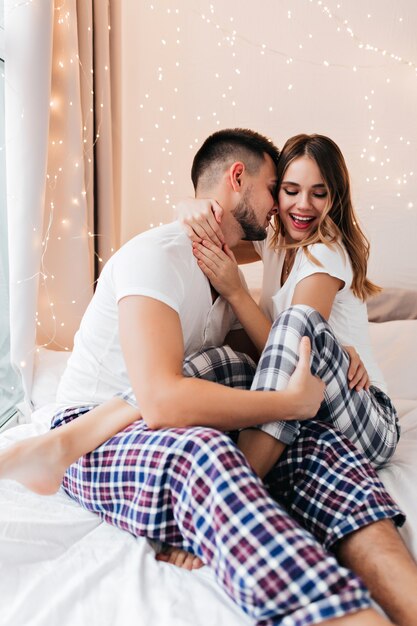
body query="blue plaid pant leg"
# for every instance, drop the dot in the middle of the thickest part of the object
(367, 418)
(328, 486)
(193, 488)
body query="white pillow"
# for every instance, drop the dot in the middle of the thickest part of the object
(49, 367)
(395, 348)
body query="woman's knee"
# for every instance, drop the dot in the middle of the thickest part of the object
(299, 316)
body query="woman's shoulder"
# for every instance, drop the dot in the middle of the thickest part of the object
(329, 253)
(324, 258)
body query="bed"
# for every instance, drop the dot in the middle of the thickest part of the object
(60, 565)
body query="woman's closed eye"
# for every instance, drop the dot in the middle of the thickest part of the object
(315, 194)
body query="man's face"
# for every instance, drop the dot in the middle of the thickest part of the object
(258, 202)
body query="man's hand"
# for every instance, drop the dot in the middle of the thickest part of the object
(201, 219)
(307, 387)
(357, 375)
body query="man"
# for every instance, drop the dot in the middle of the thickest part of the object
(174, 476)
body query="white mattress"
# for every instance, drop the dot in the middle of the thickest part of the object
(61, 566)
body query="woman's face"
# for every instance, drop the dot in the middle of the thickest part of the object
(302, 197)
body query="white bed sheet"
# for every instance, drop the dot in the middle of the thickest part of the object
(61, 566)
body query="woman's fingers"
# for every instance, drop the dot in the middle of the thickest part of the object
(204, 222)
(229, 253)
(207, 250)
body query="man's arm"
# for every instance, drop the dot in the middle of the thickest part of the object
(152, 344)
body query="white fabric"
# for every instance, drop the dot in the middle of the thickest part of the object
(28, 37)
(48, 369)
(159, 264)
(348, 318)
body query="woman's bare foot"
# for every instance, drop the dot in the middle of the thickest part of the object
(180, 558)
(37, 463)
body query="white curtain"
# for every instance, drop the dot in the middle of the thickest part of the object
(10, 385)
(28, 76)
(58, 124)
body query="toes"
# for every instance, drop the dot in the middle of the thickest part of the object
(180, 558)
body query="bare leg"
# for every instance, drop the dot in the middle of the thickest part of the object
(39, 463)
(261, 450)
(363, 618)
(378, 555)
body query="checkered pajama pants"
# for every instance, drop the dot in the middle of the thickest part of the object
(367, 418)
(193, 488)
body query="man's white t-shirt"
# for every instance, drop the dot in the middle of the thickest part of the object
(159, 264)
(348, 318)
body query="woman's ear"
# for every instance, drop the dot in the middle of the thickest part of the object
(236, 173)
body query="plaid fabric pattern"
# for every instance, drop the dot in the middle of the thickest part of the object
(219, 365)
(328, 486)
(367, 418)
(193, 488)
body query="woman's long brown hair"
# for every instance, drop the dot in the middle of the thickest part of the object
(338, 222)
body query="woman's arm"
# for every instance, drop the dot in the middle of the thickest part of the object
(318, 291)
(220, 267)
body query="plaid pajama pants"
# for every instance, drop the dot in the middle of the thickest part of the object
(367, 418)
(193, 488)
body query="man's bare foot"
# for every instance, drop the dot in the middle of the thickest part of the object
(180, 558)
(35, 463)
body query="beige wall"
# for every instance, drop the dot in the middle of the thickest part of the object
(190, 68)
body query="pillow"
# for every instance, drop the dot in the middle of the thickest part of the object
(395, 348)
(49, 367)
(393, 304)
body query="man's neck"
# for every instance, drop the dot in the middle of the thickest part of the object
(229, 226)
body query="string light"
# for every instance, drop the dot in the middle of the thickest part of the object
(173, 115)
(230, 66)
(60, 223)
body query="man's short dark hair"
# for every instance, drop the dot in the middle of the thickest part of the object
(224, 148)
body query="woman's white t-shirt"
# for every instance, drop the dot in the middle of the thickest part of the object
(348, 317)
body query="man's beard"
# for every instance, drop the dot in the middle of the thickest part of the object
(245, 216)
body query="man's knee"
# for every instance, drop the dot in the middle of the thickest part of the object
(206, 441)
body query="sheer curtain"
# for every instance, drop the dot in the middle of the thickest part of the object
(58, 132)
(10, 385)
